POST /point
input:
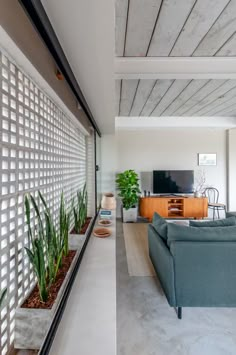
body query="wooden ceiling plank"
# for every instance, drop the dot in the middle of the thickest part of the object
(212, 97)
(206, 90)
(118, 96)
(144, 90)
(169, 26)
(121, 18)
(141, 21)
(189, 91)
(227, 112)
(225, 108)
(229, 49)
(134, 96)
(159, 90)
(175, 90)
(202, 17)
(127, 95)
(220, 103)
(219, 33)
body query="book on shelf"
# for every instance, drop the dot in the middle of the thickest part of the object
(105, 213)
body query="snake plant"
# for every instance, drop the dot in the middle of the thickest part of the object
(64, 225)
(47, 245)
(36, 250)
(80, 210)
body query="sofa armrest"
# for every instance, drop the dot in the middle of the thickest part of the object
(163, 264)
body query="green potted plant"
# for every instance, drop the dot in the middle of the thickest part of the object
(52, 261)
(128, 186)
(82, 222)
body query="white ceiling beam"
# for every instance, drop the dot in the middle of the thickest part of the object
(175, 68)
(123, 123)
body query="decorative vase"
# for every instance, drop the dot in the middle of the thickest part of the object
(108, 201)
(197, 194)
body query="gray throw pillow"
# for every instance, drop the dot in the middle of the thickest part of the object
(205, 234)
(230, 221)
(160, 225)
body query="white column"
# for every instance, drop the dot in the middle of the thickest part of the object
(232, 170)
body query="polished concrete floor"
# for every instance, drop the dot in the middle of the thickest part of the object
(146, 325)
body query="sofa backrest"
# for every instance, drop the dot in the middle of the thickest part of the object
(230, 221)
(177, 233)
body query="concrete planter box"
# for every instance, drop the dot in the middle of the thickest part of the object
(130, 215)
(76, 241)
(31, 325)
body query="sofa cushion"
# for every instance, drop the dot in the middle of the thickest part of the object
(205, 234)
(160, 225)
(230, 221)
(230, 214)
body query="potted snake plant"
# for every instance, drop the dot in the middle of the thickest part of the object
(128, 186)
(53, 262)
(82, 222)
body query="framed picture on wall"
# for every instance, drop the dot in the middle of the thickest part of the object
(206, 158)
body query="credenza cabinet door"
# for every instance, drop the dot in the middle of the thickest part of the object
(195, 207)
(150, 205)
(174, 207)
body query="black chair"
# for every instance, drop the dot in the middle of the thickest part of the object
(213, 201)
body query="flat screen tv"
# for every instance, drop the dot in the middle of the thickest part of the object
(173, 181)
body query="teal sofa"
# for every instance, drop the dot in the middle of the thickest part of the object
(196, 264)
(230, 214)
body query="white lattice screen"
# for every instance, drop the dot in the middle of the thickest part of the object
(40, 148)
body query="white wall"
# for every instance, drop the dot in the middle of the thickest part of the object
(172, 149)
(232, 169)
(108, 162)
(86, 31)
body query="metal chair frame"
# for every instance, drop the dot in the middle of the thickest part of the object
(213, 199)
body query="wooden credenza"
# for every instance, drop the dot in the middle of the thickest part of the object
(174, 207)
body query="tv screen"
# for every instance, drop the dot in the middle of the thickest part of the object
(172, 181)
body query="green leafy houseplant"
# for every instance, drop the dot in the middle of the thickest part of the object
(80, 209)
(128, 185)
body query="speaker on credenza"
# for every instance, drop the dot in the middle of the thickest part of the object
(146, 182)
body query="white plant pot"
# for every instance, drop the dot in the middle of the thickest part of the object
(130, 215)
(108, 201)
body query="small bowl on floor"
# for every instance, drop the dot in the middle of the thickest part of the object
(105, 222)
(102, 232)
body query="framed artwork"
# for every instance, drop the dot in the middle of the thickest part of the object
(206, 158)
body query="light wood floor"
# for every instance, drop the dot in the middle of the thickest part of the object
(136, 245)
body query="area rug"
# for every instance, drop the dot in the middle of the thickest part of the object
(136, 245)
